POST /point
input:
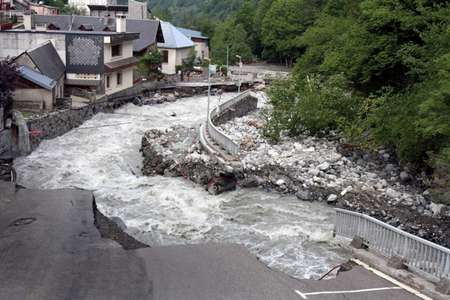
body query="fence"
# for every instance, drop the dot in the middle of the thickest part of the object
(217, 135)
(420, 255)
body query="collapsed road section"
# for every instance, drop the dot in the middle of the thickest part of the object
(51, 249)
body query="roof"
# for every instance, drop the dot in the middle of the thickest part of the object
(123, 8)
(47, 60)
(149, 30)
(192, 33)
(71, 23)
(150, 33)
(36, 77)
(173, 38)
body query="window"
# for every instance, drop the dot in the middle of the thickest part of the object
(116, 50)
(165, 56)
(107, 82)
(119, 78)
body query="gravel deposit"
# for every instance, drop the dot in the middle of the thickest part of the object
(326, 170)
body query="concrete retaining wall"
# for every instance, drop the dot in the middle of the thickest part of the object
(239, 109)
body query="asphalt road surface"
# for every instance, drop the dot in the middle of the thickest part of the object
(50, 249)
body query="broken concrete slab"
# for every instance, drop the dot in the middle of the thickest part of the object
(50, 249)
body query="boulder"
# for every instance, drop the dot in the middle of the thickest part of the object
(324, 166)
(437, 209)
(304, 195)
(358, 243)
(404, 176)
(397, 262)
(332, 199)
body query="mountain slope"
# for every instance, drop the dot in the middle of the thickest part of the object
(181, 12)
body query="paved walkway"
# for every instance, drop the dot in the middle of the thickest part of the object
(50, 249)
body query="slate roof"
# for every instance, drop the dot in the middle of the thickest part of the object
(36, 77)
(173, 38)
(47, 60)
(192, 33)
(123, 8)
(150, 33)
(149, 30)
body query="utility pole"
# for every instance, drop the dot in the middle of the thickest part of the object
(240, 72)
(228, 60)
(209, 91)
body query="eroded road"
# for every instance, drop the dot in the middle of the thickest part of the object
(50, 249)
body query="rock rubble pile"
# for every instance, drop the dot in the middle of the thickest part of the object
(317, 169)
(314, 169)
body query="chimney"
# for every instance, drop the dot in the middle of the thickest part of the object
(27, 20)
(121, 23)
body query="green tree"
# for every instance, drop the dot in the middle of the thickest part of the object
(231, 35)
(149, 64)
(283, 26)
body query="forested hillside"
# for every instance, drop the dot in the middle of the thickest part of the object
(182, 10)
(376, 71)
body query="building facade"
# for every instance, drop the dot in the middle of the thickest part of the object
(200, 41)
(176, 48)
(90, 57)
(42, 77)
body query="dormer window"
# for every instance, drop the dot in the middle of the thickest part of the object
(52, 26)
(85, 27)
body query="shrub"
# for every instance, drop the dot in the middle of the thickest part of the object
(312, 106)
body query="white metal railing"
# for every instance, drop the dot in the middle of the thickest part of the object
(420, 255)
(217, 135)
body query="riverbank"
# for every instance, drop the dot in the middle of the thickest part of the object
(313, 169)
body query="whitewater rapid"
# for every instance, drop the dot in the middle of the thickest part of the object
(285, 233)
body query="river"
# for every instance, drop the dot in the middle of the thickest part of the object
(286, 234)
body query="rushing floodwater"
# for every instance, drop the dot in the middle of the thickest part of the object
(283, 232)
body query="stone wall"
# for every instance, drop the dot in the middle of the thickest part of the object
(55, 124)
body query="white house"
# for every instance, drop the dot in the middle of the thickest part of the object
(201, 42)
(175, 49)
(134, 9)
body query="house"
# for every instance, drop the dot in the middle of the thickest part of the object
(135, 9)
(150, 32)
(41, 67)
(201, 42)
(34, 91)
(42, 9)
(28, 5)
(176, 48)
(97, 56)
(131, 8)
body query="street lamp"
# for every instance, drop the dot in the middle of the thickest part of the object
(240, 72)
(209, 90)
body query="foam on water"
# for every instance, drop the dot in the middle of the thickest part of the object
(286, 234)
